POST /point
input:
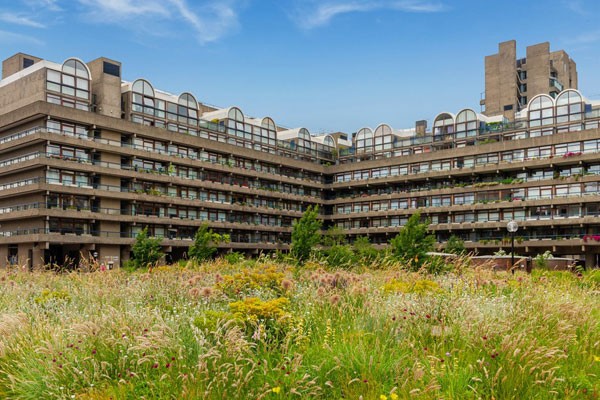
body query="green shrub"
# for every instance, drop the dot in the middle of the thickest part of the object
(541, 260)
(365, 252)
(455, 245)
(146, 250)
(234, 258)
(305, 234)
(205, 242)
(412, 243)
(340, 256)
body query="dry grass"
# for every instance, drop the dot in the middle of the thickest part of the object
(188, 333)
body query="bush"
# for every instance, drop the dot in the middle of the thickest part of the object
(306, 235)
(455, 245)
(146, 250)
(205, 242)
(412, 243)
(334, 236)
(541, 260)
(234, 258)
(364, 250)
(340, 256)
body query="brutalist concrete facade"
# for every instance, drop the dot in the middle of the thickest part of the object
(87, 161)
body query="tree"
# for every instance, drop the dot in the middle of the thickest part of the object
(146, 250)
(412, 243)
(455, 245)
(205, 242)
(334, 236)
(305, 234)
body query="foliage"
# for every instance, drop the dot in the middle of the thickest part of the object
(455, 245)
(146, 250)
(265, 277)
(340, 256)
(413, 243)
(419, 287)
(334, 236)
(541, 260)
(393, 334)
(55, 295)
(205, 242)
(234, 257)
(305, 234)
(364, 250)
(253, 309)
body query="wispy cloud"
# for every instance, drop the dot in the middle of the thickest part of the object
(209, 20)
(584, 38)
(576, 6)
(311, 14)
(12, 37)
(19, 19)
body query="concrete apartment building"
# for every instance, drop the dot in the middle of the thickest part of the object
(510, 82)
(88, 160)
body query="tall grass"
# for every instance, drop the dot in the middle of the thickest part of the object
(266, 331)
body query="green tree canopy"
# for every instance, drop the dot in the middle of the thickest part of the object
(146, 250)
(205, 243)
(334, 236)
(305, 234)
(455, 245)
(413, 242)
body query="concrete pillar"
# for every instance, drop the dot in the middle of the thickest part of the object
(590, 260)
(37, 258)
(3, 256)
(109, 255)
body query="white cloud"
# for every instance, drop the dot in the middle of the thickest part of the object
(584, 38)
(19, 19)
(311, 14)
(11, 37)
(209, 20)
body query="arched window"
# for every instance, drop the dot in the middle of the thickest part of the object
(268, 123)
(466, 123)
(382, 138)
(235, 114)
(75, 67)
(329, 141)
(187, 109)
(187, 100)
(143, 100)
(304, 141)
(71, 84)
(143, 87)
(569, 106)
(443, 124)
(541, 111)
(364, 140)
(269, 131)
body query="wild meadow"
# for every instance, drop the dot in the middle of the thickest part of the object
(263, 329)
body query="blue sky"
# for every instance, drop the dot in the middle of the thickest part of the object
(327, 65)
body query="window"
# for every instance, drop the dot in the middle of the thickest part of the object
(569, 107)
(27, 62)
(508, 107)
(541, 111)
(69, 85)
(111, 69)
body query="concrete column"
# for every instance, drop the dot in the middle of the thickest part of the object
(590, 260)
(3, 256)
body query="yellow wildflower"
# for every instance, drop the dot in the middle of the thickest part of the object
(596, 358)
(276, 390)
(394, 396)
(383, 397)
